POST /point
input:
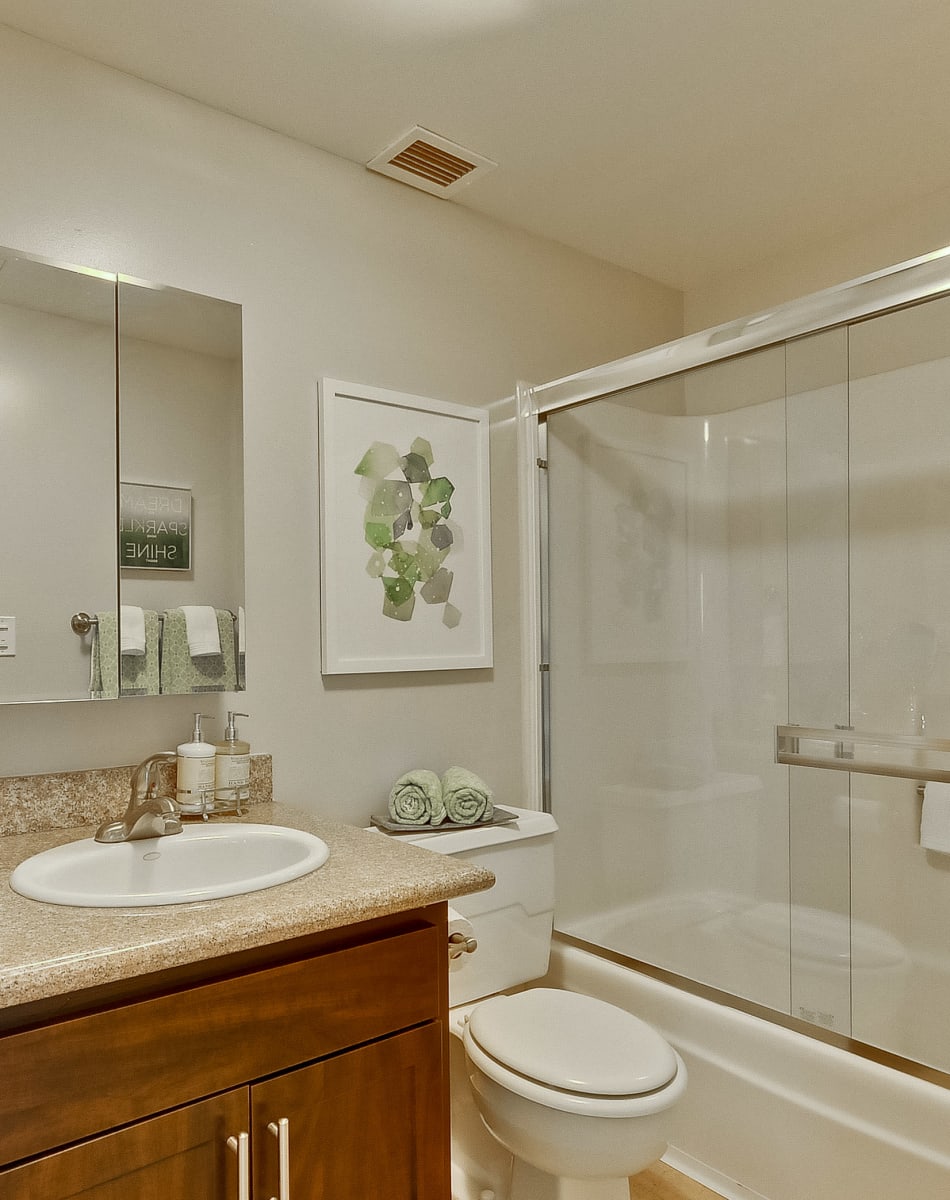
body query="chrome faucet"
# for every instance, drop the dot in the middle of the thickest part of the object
(149, 814)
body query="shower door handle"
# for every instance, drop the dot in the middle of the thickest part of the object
(900, 756)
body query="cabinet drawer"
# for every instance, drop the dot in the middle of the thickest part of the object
(78, 1077)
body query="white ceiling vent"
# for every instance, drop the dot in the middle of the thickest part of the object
(432, 163)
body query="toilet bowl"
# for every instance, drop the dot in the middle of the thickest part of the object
(571, 1085)
(574, 1094)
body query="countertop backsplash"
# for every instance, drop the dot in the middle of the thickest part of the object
(35, 803)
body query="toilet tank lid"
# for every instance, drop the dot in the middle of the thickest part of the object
(530, 823)
(573, 1042)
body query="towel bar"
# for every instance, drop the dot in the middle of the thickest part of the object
(81, 622)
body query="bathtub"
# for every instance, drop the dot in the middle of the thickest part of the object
(772, 1113)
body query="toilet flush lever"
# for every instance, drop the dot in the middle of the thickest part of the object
(460, 943)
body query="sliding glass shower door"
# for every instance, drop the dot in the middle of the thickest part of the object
(668, 666)
(900, 671)
(762, 542)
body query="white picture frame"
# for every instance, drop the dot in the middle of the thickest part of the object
(405, 532)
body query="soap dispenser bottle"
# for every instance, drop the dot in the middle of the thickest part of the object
(232, 769)
(195, 788)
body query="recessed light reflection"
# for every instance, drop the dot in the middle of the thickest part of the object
(438, 17)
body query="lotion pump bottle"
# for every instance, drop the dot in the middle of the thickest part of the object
(232, 769)
(195, 789)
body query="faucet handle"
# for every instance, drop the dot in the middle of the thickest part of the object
(142, 784)
(148, 814)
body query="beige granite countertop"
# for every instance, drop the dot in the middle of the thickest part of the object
(47, 950)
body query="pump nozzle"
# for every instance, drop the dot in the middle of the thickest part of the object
(196, 735)
(230, 733)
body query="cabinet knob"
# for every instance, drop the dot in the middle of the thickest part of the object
(281, 1130)
(241, 1145)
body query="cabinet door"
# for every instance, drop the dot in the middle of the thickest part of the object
(182, 1155)
(369, 1124)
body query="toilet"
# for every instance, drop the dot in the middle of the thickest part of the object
(576, 1093)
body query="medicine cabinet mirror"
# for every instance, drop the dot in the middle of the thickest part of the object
(121, 421)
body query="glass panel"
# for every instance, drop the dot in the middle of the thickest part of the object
(900, 668)
(760, 536)
(57, 463)
(668, 674)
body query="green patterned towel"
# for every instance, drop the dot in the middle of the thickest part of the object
(104, 655)
(113, 674)
(467, 798)
(416, 799)
(181, 674)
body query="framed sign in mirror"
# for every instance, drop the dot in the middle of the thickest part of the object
(154, 527)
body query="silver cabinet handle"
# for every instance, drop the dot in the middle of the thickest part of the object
(241, 1145)
(281, 1130)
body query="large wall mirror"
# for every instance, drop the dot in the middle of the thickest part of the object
(121, 459)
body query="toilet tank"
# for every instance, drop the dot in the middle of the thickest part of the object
(512, 921)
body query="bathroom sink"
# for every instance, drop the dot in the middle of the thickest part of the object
(203, 862)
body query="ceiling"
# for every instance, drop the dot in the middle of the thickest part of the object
(680, 138)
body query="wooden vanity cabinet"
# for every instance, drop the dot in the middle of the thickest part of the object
(181, 1154)
(331, 1055)
(359, 1124)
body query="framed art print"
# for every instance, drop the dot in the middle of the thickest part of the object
(404, 532)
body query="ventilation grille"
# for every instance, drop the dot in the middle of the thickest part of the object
(432, 163)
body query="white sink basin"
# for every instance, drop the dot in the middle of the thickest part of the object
(203, 862)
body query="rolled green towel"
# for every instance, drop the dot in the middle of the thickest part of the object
(467, 798)
(416, 799)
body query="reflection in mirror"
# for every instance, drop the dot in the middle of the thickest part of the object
(181, 492)
(174, 441)
(57, 463)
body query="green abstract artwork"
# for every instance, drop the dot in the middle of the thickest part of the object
(406, 526)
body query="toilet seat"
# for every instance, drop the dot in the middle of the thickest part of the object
(572, 1052)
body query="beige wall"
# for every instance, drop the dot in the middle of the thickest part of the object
(344, 274)
(859, 250)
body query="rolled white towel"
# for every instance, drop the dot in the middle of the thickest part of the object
(201, 626)
(132, 629)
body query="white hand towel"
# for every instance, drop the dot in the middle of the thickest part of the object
(935, 818)
(132, 625)
(201, 625)
(241, 633)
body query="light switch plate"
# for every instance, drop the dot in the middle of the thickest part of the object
(7, 637)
